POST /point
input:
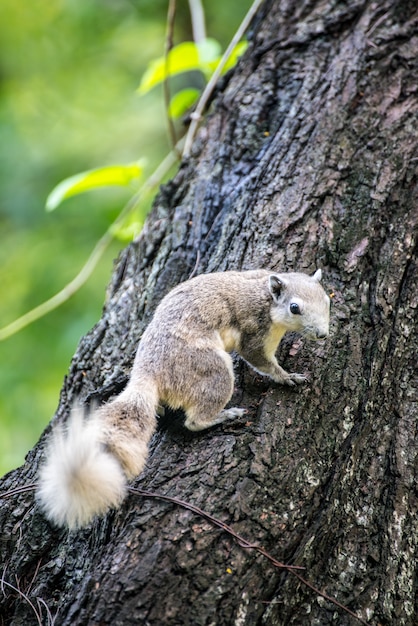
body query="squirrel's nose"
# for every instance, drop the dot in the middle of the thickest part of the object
(321, 334)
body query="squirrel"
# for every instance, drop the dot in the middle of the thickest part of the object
(183, 362)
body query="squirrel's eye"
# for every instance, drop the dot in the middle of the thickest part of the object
(295, 309)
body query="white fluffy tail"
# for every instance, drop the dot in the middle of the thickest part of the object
(89, 462)
(80, 478)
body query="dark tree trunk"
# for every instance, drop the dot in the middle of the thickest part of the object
(308, 160)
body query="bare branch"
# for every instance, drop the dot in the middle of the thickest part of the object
(197, 16)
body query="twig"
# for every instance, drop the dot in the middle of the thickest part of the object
(50, 617)
(18, 490)
(171, 14)
(196, 265)
(29, 587)
(216, 522)
(24, 596)
(292, 569)
(244, 543)
(98, 251)
(63, 295)
(377, 23)
(197, 16)
(329, 598)
(197, 114)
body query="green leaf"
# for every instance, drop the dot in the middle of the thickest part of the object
(127, 233)
(181, 58)
(182, 101)
(131, 225)
(93, 179)
(185, 57)
(239, 50)
(209, 50)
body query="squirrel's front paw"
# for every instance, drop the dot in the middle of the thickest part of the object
(298, 379)
(292, 379)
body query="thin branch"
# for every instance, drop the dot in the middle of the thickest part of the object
(24, 596)
(29, 587)
(292, 569)
(197, 16)
(51, 619)
(86, 271)
(63, 295)
(217, 522)
(196, 265)
(328, 598)
(18, 490)
(244, 543)
(197, 114)
(171, 14)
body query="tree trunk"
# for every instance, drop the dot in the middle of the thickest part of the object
(307, 160)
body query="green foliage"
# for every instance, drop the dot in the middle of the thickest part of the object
(188, 56)
(185, 57)
(182, 101)
(122, 175)
(68, 103)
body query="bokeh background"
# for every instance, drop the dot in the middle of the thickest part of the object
(69, 71)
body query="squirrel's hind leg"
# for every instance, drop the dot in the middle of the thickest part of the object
(196, 420)
(206, 406)
(207, 390)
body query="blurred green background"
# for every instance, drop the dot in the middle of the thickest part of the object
(69, 70)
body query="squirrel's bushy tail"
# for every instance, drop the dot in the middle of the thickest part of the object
(89, 461)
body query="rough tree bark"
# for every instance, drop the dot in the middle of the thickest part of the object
(307, 160)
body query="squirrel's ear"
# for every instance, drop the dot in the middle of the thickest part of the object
(276, 286)
(317, 276)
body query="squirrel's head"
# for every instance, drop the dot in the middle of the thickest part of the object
(300, 303)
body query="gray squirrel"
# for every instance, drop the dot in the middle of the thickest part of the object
(183, 362)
